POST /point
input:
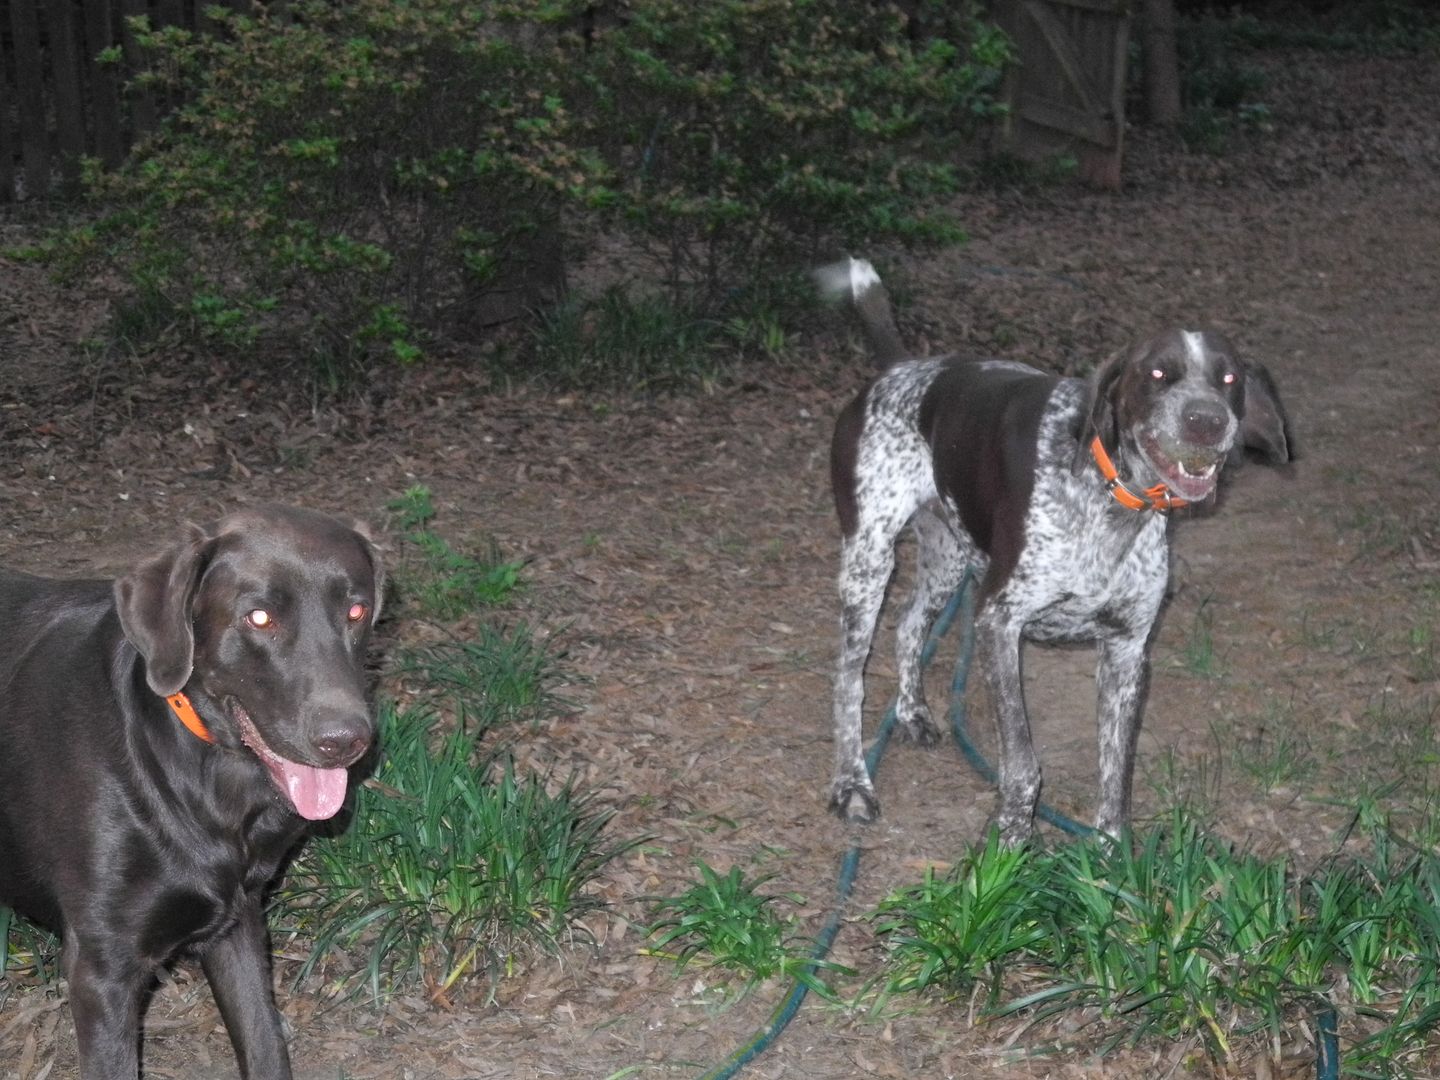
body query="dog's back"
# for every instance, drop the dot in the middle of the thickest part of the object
(48, 650)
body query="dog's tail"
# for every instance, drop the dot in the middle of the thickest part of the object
(855, 280)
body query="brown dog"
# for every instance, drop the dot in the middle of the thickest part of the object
(163, 742)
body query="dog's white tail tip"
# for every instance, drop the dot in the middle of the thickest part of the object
(848, 279)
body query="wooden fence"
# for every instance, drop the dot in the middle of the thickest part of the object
(60, 101)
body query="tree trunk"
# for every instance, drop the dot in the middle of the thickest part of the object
(1162, 63)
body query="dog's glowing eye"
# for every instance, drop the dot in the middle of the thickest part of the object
(357, 612)
(1158, 374)
(260, 619)
(1228, 378)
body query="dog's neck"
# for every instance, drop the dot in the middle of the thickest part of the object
(1157, 497)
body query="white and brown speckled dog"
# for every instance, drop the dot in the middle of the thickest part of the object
(1056, 493)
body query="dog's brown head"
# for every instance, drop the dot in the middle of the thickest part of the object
(1173, 410)
(262, 619)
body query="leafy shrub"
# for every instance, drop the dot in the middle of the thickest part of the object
(1219, 88)
(355, 181)
(744, 133)
(354, 175)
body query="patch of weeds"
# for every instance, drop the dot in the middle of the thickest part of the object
(1315, 635)
(499, 678)
(641, 342)
(1197, 654)
(1422, 662)
(1173, 934)
(1219, 91)
(1370, 26)
(142, 319)
(725, 922)
(439, 581)
(954, 930)
(1190, 784)
(1009, 172)
(453, 866)
(1380, 532)
(1272, 750)
(1397, 740)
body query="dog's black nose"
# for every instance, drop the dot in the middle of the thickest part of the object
(1204, 423)
(342, 741)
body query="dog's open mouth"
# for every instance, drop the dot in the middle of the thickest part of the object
(316, 794)
(1188, 471)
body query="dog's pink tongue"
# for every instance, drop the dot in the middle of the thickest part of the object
(317, 794)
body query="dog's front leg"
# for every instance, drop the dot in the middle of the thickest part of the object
(238, 967)
(1121, 677)
(999, 642)
(105, 996)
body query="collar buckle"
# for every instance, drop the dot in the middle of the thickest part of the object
(1158, 498)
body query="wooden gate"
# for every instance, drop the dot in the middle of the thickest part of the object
(1067, 92)
(63, 64)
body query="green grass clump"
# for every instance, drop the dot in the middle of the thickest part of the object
(453, 863)
(438, 581)
(725, 922)
(497, 678)
(965, 926)
(1172, 934)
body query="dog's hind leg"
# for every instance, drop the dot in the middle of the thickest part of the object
(866, 563)
(940, 568)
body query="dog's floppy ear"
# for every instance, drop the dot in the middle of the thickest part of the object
(362, 530)
(1264, 428)
(155, 602)
(1098, 414)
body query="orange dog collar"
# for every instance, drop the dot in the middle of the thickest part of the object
(182, 708)
(1152, 498)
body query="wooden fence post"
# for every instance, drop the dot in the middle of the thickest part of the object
(30, 97)
(109, 136)
(69, 105)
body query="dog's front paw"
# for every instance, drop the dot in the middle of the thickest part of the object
(917, 727)
(854, 801)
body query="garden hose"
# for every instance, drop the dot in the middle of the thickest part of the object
(789, 1005)
(961, 604)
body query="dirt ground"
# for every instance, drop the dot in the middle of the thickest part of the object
(683, 553)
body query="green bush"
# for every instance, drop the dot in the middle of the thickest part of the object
(743, 133)
(349, 182)
(348, 176)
